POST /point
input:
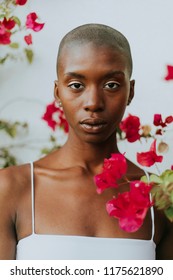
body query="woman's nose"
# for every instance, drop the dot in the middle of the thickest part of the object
(94, 100)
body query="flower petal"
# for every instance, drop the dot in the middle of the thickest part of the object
(9, 24)
(169, 75)
(48, 116)
(28, 39)
(131, 126)
(128, 210)
(21, 2)
(149, 158)
(32, 24)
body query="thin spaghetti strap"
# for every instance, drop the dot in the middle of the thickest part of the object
(152, 219)
(32, 197)
(152, 209)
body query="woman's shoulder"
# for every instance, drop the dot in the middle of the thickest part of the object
(134, 172)
(13, 180)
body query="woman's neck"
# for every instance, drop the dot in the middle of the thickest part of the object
(89, 155)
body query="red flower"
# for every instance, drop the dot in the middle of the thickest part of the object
(4, 35)
(28, 39)
(32, 24)
(21, 2)
(113, 169)
(9, 24)
(150, 157)
(54, 117)
(169, 75)
(131, 207)
(171, 167)
(131, 126)
(62, 122)
(103, 182)
(158, 120)
(169, 119)
(140, 191)
(116, 165)
(159, 132)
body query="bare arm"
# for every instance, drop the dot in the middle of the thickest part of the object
(7, 217)
(165, 247)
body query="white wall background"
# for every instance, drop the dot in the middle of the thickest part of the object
(148, 27)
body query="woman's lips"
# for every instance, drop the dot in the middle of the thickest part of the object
(93, 125)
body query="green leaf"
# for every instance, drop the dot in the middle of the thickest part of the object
(7, 157)
(119, 131)
(17, 20)
(45, 151)
(11, 131)
(171, 197)
(52, 139)
(169, 213)
(2, 16)
(156, 179)
(14, 45)
(2, 60)
(144, 179)
(29, 55)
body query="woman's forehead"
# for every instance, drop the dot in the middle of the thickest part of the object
(89, 54)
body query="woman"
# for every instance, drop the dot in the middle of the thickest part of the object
(50, 208)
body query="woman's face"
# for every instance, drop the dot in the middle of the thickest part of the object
(94, 88)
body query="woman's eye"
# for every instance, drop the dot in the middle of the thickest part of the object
(75, 86)
(111, 85)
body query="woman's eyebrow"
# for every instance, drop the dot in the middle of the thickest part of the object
(114, 73)
(105, 75)
(75, 75)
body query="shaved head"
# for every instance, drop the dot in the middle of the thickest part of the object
(99, 35)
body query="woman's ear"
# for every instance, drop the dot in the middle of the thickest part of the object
(56, 92)
(132, 91)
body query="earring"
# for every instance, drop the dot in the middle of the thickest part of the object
(60, 104)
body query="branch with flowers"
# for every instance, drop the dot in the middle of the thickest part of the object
(131, 207)
(10, 25)
(15, 137)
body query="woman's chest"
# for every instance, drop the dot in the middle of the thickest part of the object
(71, 206)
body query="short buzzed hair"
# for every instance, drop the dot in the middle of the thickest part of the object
(100, 35)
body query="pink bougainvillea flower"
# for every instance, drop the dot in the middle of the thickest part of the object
(4, 35)
(131, 126)
(158, 120)
(169, 75)
(149, 158)
(54, 117)
(140, 192)
(62, 122)
(131, 207)
(171, 167)
(32, 24)
(169, 119)
(50, 110)
(103, 182)
(113, 169)
(9, 24)
(21, 2)
(28, 39)
(116, 165)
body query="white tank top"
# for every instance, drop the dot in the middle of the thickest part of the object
(66, 247)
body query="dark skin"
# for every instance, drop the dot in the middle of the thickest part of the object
(94, 87)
